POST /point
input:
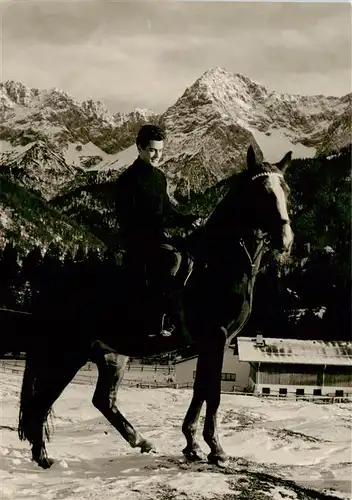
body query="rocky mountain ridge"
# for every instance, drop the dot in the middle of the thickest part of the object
(209, 127)
(31, 114)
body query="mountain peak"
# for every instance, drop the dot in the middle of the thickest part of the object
(138, 114)
(216, 71)
(219, 83)
(17, 92)
(223, 73)
(13, 84)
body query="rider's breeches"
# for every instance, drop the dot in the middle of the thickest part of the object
(168, 266)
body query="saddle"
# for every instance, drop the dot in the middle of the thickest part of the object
(161, 300)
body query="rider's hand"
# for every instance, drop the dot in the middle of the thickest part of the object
(193, 221)
(197, 223)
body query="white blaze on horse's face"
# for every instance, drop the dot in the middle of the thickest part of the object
(274, 185)
(287, 237)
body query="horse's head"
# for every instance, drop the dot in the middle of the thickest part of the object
(267, 199)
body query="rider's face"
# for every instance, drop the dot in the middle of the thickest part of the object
(152, 153)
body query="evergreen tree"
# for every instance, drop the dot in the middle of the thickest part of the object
(30, 265)
(49, 285)
(10, 267)
(9, 276)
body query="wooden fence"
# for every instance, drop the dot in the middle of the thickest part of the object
(84, 377)
(91, 367)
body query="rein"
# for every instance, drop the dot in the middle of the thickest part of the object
(235, 326)
(5, 309)
(253, 261)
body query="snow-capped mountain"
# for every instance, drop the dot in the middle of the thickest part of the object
(30, 114)
(43, 170)
(212, 123)
(338, 134)
(39, 168)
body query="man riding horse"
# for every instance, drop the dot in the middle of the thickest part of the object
(251, 220)
(144, 212)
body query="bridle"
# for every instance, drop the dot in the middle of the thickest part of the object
(267, 174)
(265, 240)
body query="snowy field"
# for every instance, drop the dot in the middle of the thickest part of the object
(278, 450)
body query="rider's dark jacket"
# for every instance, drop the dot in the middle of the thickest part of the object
(143, 207)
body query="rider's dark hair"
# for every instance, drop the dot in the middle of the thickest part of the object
(148, 133)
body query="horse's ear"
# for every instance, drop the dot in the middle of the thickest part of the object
(285, 162)
(251, 158)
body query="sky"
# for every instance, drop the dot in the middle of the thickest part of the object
(145, 54)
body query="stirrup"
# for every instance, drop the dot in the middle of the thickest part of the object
(167, 333)
(164, 332)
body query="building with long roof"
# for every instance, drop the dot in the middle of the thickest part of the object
(290, 367)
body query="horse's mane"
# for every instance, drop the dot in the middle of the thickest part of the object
(226, 214)
(229, 206)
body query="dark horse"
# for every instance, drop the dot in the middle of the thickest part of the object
(251, 219)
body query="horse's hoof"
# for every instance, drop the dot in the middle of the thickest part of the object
(45, 463)
(194, 455)
(147, 446)
(219, 459)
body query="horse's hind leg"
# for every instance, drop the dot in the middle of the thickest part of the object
(35, 409)
(111, 368)
(193, 451)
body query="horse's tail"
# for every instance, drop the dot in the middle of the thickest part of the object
(31, 382)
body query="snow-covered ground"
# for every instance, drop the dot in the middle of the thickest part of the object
(278, 450)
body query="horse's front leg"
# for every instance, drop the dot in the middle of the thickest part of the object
(193, 451)
(111, 368)
(211, 365)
